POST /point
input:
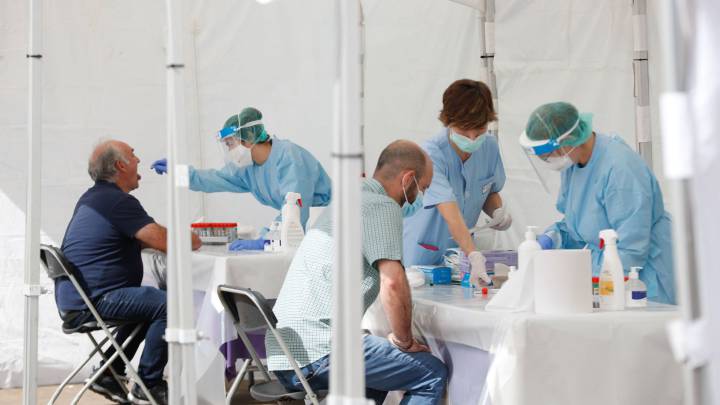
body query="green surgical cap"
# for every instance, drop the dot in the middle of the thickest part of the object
(253, 133)
(552, 120)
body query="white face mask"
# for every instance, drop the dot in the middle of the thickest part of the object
(240, 156)
(558, 163)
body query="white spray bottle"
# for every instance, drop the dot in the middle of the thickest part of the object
(291, 231)
(612, 277)
(528, 248)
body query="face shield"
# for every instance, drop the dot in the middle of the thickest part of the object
(232, 149)
(239, 135)
(548, 157)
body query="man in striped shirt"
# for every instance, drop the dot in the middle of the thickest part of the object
(304, 305)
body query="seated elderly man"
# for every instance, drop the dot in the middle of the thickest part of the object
(108, 229)
(303, 307)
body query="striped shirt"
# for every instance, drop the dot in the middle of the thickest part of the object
(304, 305)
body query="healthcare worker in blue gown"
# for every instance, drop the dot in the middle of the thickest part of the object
(263, 165)
(605, 185)
(468, 176)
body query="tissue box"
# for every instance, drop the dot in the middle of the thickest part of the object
(436, 274)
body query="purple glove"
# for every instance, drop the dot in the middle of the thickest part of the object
(245, 244)
(160, 166)
(546, 242)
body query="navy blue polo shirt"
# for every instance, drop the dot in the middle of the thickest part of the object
(100, 242)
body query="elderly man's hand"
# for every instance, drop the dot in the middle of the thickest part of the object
(412, 346)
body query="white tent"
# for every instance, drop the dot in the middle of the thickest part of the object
(105, 77)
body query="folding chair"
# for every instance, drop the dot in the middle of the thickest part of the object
(57, 266)
(250, 311)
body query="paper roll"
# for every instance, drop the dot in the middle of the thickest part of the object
(563, 281)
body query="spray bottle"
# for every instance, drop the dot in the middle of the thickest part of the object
(291, 232)
(612, 280)
(528, 248)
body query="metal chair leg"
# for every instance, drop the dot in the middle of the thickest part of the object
(253, 354)
(119, 351)
(77, 369)
(112, 371)
(237, 381)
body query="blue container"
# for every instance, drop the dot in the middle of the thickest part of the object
(436, 274)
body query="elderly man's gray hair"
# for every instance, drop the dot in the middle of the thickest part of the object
(101, 166)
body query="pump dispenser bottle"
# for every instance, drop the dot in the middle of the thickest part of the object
(528, 248)
(635, 290)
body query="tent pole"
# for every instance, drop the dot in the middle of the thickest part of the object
(488, 55)
(32, 289)
(347, 370)
(180, 333)
(678, 165)
(363, 67)
(642, 82)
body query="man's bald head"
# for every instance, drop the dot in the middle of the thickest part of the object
(115, 162)
(101, 165)
(401, 156)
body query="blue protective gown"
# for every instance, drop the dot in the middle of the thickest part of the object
(617, 190)
(289, 167)
(466, 183)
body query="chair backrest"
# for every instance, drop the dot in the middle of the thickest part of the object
(248, 308)
(56, 265)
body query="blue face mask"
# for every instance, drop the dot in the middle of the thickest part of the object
(465, 144)
(410, 209)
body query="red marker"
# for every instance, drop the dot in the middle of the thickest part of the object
(428, 247)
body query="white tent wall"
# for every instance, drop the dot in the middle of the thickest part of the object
(277, 58)
(104, 76)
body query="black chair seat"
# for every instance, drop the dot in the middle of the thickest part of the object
(274, 391)
(82, 328)
(91, 326)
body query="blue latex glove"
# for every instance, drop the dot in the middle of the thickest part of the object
(247, 244)
(160, 166)
(546, 242)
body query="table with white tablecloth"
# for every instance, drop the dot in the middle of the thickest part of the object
(525, 358)
(212, 266)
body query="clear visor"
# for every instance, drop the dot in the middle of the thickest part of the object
(229, 142)
(548, 179)
(233, 151)
(545, 147)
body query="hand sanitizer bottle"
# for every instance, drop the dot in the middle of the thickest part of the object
(273, 236)
(635, 290)
(528, 248)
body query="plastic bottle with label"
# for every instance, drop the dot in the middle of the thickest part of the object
(612, 283)
(464, 266)
(635, 290)
(528, 248)
(291, 231)
(272, 243)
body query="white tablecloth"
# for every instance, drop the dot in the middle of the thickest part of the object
(599, 358)
(213, 266)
